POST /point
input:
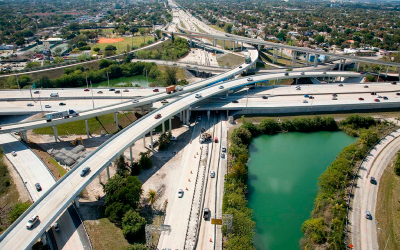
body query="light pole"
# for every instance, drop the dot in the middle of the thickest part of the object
(40, 101)
(91, 88)
(108, 79)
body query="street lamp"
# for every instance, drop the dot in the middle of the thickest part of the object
(91, 88)
(40, 101)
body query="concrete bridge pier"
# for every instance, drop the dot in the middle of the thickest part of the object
(87, 128)
(358, 66)
(340, 65)
(55, 132)
(24, 137)
(76, 200)
(387, 70)
(294, 55)
(170, 125)
(307, 59)
(227, 113)
(151, 139)
(144, 141)
(208, 114)
(230, 44)
(281, 52)
(141, 111)
(116, 120)
(187, 117)
(130, 153)
(108, 172)
(242, 45)
(259, 47)
(344, 64)
(315, 60)
(163, 127)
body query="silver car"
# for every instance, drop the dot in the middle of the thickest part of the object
(180, 193)
(212, 174)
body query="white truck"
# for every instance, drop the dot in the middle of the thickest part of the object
(62, 114)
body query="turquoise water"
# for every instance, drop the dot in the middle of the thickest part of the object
(141, 80)
(283, 172)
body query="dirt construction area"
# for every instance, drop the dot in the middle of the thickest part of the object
(110, 40)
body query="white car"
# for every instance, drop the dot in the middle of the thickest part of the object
(198, 95)
(47, 106)
(32, 221)
(249, 79)
(221, 87)
(13, 153)
(212, 173)
(305, 101)
(180, 193)
(56, 227)
(224, 149)
(135, 101)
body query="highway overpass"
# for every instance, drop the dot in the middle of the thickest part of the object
(49, 206)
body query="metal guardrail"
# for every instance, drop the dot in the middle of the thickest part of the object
(353, 181)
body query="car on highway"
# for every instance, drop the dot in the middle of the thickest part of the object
(334, 98)
(111, 89)
(212, 174)
(252, 87)
(36, 92)
(38, 187)
(368, 215)
(311, 97)
(126, 90)
(394, 83)
(32, 221)
(286, 74)
(340, 85)
(324, 73)
(100, 92)
(62, 104)
(157, 116)
(198, 95)
(361, 99)
(56, 227)
(13, 153)
(216, 139)
(372, 180)
(305, 101)
(335, 95)
(30, 105)
(385, 98)
(47, 106)
(135, 101)
(298, 88)
(180, 193)
(264, 97)
(302, 73)
(206, 213)
(306, 96)
(199, 118)
(397, 93)
(249, 79)
(223, 155)
(156, 90)
(373, 93)
(164, 101)
(173, 138)
(221, 86)
(366, 86)
(85, 171)
(117, 92)
(376, 100)
(240, 67)
(224, 149)
(86, 90)
(379, 96)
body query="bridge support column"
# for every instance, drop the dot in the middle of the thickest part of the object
(100, 178)
(242, 45)
(370, 68)
(151, 139)
(170, 125)
(187, 117)
(344, 64)
(144, 141)
(149, 109)
(116, 120)
(24, 137)
(294, 55)
(227, 113)
(213, 42)
(297, 79)
(87, 128)
(55, 132)
(183, 117)
(358, 66)
(315, 60)
(76, 201)
(108, 172)
(190, 42)
(223, 42)
(163, 127)
(130, 152)
(281, 52)
(387, 70)
(340, 65)
(208, 114)
(230, 44)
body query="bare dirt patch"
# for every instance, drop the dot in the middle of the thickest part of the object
(110, 40)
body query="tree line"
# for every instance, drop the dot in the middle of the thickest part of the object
(173, 50)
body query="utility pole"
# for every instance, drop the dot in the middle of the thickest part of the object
(91, 87)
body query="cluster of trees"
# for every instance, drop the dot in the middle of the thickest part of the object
(144, 162)
(164, 140)
(168, 51)
(327, 222)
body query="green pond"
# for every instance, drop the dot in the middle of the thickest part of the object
(140, 80)
(283, 172)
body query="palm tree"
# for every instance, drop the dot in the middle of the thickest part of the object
(152, 195)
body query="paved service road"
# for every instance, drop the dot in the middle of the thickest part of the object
(364, 231)
(32, 170)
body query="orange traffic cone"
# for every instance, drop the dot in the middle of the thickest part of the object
(210, 240)
(191, 171)
(197, 153)
(194, 156)
(186, 189)
(189, 180)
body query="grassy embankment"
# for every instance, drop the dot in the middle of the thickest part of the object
(96, 125)
(388, 207)
(229, 60)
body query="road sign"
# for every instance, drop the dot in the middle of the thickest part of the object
(216, 221)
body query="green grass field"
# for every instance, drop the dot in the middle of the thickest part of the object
(122, 46)
(230, 60)
(216, 27)
(104, 122)
(180, 73)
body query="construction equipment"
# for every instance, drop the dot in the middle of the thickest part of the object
(75, 142)
(205, 137)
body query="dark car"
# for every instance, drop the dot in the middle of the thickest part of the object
(286, 73)
(235, 101)
(62, 104)
(264, 97)
(117, 92)
(206, 213)
(38, 187)
(111, 89)
(340, 85)
(155, 90)
(397, 93)
(157, 116)
(385, 98)
(361, 99)
(373, 93)
(311, 97)
(394, 83)
(252, 87)
(376, 100)
(372, 180)
(36, 92)
(85, 171)
(100, 92)
(368, 215)
(86, 90)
